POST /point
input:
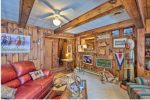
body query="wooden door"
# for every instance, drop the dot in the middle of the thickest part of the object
(48, 55)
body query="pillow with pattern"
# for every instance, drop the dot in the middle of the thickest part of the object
(7, 92)
(36, 74)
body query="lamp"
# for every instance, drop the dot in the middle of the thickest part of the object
(56, 22)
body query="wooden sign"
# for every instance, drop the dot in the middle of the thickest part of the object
(119, 43)
(105, 63)
(104, 36)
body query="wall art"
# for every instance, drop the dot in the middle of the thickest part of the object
(13, 43)
(88, 59)
(120, 43)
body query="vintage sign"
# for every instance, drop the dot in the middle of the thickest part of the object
(103, 36)
(119, 43)
(105, 63)
(13, 43)
(120, 59)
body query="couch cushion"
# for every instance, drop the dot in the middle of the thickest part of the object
(24, 67)
(25, 78)
(14, 83)
(7, 73)
(44, 81)
(28, 91)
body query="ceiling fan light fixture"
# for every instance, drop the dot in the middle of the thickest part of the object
(56, 22)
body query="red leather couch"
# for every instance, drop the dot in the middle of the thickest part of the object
(16, 75)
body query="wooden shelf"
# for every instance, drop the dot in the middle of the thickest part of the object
(147, 56)
(147, 45)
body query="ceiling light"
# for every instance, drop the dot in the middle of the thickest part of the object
(56, 22)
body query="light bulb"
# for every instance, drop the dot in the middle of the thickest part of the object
(56, 22)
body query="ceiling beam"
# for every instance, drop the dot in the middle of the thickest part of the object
(132, 8)
(61, 36)
(24, 13)
(123, 24)
(100, 11)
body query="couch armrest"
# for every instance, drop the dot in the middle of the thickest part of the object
(47, 72)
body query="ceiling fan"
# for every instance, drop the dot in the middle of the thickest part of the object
(57, 15)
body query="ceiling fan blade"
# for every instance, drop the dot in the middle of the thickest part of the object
(65, 18)
(45, 15)
(66, 11)
(45, 2)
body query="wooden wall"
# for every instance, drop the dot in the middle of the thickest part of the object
(109, 51)
(37, 51)
(148, 26)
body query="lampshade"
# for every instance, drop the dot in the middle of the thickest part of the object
(84, 46)
(56, 22)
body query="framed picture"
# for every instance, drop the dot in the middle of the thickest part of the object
(69, 49)
(128, 31)
(14, 43)
(115, 33)
(119, 43)
(88, 59)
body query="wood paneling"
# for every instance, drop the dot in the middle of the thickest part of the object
(131, 7)
(109, 49)
(100, 11)
(148, 26)
(37, 51)
(140, 52)
(24, 13)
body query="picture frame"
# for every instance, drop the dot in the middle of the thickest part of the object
(128, 31)
(88, 59)
(14, 43)
(115, 33)
(104, 63)
(119, 43)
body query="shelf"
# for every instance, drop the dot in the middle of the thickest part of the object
(147, 45)
(147, 56)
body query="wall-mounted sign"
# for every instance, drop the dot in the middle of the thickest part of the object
(128, 31)
(106, 63)
(115, 33)
(103, 36)
(119, 43)
(88, 59)
(13, 43)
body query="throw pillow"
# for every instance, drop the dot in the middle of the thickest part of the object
(36, 74)
(7, 92)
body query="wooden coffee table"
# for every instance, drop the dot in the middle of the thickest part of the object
(66, 93)
(58, 93)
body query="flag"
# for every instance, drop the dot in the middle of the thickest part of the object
(120, 59)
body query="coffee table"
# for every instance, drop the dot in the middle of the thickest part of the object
(66, 93)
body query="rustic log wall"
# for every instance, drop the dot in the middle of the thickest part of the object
(37, 51)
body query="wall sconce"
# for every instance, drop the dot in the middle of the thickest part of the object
(38, 41)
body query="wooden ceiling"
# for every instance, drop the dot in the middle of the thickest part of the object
(24, 13)
(133, 7)
(93, 14)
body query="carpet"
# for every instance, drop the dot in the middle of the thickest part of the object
(98, 90)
